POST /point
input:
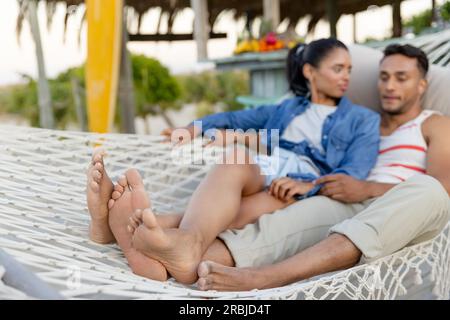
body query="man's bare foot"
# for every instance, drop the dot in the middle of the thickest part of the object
(178, 250)
(128, 196)
(98, 192)
(214, 276)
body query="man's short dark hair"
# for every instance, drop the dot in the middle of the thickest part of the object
(411, 52)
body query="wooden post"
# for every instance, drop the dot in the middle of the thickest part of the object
(332, 17)
(354, 28)
(201, 27)
(271, 10)
(396, 19)
(46, 119)
(433, 12)
(126, 86)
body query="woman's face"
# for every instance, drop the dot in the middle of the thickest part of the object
(332, 76)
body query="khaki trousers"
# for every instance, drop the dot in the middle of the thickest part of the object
(413, 211)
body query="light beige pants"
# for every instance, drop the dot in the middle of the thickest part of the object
(411, 212)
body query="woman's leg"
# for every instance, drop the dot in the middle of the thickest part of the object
(213, 207)
(254, 206)
(251, 208)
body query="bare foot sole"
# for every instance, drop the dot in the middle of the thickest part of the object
(178, 250)
(128, 196)
(166, 221)
(98, 193)
(214, 276)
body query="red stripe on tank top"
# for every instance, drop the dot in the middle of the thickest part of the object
(407, 167)
(403, 146)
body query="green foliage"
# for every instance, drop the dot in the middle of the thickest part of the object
(445, 11)
(421, 21)
(153, 86)
(210, 87)
(23, 99)
(155, 91)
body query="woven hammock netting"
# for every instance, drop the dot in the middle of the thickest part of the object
(44, 224)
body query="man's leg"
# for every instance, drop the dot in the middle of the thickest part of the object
(334, 253)
(413, 211)
(273, 238)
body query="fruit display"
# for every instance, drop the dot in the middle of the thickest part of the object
(270, 42)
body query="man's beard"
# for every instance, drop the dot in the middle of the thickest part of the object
(400, 110)
(395, 112)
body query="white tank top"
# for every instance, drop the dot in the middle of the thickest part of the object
(402, 154)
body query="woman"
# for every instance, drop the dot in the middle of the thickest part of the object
(321, 132)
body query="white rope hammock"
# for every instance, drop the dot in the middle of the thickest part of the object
(44, 225)
(435, 45)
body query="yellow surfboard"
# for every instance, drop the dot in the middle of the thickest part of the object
(104, 34)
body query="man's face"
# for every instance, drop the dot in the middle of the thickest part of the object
(400, 84)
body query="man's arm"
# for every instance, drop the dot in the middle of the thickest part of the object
(436, 130)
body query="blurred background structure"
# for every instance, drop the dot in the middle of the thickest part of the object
(182, 59)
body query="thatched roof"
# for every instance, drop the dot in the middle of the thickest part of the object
(293, 10)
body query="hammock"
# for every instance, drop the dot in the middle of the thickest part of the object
(44, 225)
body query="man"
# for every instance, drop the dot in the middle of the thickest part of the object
(368, 219)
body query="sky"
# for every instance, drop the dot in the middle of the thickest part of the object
(18, 58)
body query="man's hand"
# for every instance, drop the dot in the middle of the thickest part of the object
(286, 188)
(181, 135)
(344, 188)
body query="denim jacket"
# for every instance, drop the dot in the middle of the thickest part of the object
(350, 135)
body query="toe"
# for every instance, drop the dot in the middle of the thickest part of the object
(97, 176)
(94, 186)
(98, 166)
(205, 284)
(201, 284)
(203, 269)
(149, 219)
(118, 188)
(98, 155)
(116, 195)
(133, 223)
(134, 179)
(123, 181)
(137, 215)
(111, 203)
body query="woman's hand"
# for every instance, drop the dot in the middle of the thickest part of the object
(181, 135)
(286, 188)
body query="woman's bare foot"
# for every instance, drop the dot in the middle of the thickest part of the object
(178, 250)
(214, 276)
(166, 221)
(98, 193)
(128, 196)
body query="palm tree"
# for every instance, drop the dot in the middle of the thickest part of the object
(28, 9)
